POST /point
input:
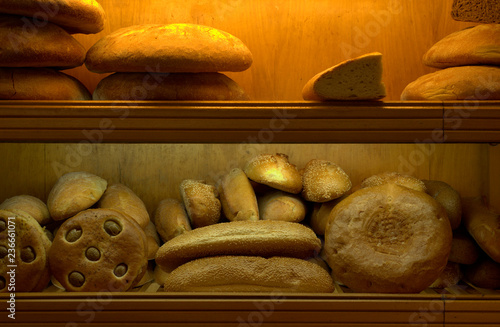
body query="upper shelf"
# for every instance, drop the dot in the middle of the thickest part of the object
(250, 122)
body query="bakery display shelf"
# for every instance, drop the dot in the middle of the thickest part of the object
(252, 122)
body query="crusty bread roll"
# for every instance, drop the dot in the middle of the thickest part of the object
(40, 84)
(18, 228)
(160, 275)
(320, 215)
(249, 274)
(323, 181)
(76, 16)
(50, 46)
(456, 83)
(152, 239)
(201, 202)
(464, 249)
(265, 238)
(477, 45)
(479, 11)
(35, 207)
(237, 196)
(485, 273)
(450, 276)
(396, 178)
(74, 192)
(483, 225)
(278, 205)
(448, 197)
(354, 79)
(171, 219)
(99, 250)
(169, 86)
(173, 48)
(274, 171)
(388, 239)
(121, 198)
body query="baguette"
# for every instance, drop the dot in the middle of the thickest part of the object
(265, 238)
(249, 274)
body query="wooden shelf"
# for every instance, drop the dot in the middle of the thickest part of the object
(251, 122)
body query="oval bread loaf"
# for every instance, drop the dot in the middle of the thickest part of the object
(237, 196)
(35, 207)
(448, 197)
(255, 238)
(396, 178)
(278, 205)
(171, 219)
(201, 202)
(324, 181)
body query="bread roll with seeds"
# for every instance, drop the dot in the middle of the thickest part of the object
(237, 197)
(201, 202)
(323, 181)
(35, 207)
(396, 178)
(171, 219)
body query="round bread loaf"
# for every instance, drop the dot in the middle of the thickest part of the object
(464, 249)
(485, 273)
(483, 225)
(396, 178)
(39, 46)
(274, 171)
(388, 239)
(476, 45)
(171, 219)
(29, 254)
(448, 197)
(74, 192)
(278, 205)
(76, 16)
(265, 238)
(249, 274)
(201, 202)
(121, 198)
(40, 84)
(323, 181)
(456, 83)
(173, 48)
(450, 276)
(173, 86)
(237, 197)
(99, 250)
(35, 207)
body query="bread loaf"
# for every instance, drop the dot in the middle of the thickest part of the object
(388, 239)
(323, 181)
(464, 249)
(448, 197)
(321, 214)
(35, 207)
(354, 79)
(171, 219)
(450, 276)
(74, 192)
(483, 225)
(152, 239)
(76, 16)
(479, 11)
(201, 202)
(274, 171)
(249, 274)
(456, 83)
(396, 178)
(485, 273)
(173, 48)
(265, 238)
(173, 86)
(99, 250)
(278, 205)
(237, 197)
(477, 45)
(50, 46)
(40, 84)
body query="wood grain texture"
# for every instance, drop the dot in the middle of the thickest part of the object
(291, 41)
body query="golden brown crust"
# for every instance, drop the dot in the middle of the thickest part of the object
(76, 16)
(464, 249)
(121, 198)
(201, 202)
(50, 46)
(274, 171)
(321, 214)
(74, 192)
(323, 181)
(388, 239)
(249, 274)
(171, 219)
(173, 48)
(448, 197)
(169, 86)
(257, 238)
(35, 207)
(456, 83)
(278, 205)
(485, 273)
(396, 178)
(99, 250)
(40, 84)
(237, 197)
(483, 225)
(477, 45)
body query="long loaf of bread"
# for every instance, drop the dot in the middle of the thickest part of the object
(265, 238)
